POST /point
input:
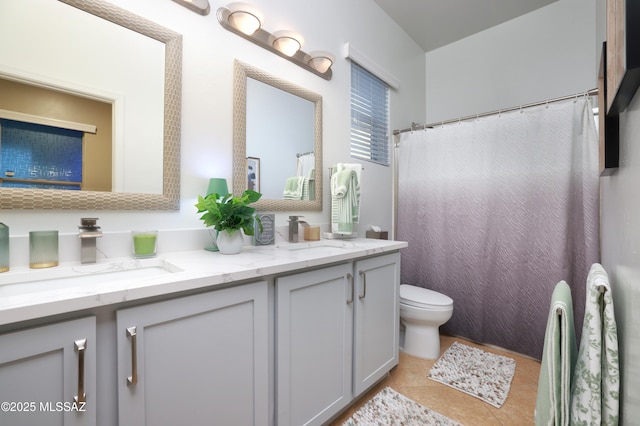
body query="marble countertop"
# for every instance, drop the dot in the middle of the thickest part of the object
(27, 294)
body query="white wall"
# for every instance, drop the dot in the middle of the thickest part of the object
(545, 54)
(207, 116)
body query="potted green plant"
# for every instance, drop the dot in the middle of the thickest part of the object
(229, 215)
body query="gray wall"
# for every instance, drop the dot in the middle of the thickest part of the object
(620, 236)
(548, 53)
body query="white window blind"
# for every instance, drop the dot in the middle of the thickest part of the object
(369, 116)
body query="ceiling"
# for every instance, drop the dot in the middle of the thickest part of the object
(435, 23)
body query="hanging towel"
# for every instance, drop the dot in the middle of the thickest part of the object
(558, 360)
(305, 163)
(311, 184)
(596, 379)
(294, 188)
(345, 197)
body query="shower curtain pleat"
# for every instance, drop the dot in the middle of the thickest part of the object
(498, 210)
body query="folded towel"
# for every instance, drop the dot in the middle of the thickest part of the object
(596, 380)
(294, 188)
(298, 188)
(558, 361)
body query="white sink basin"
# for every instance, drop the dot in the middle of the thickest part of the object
(124, 269)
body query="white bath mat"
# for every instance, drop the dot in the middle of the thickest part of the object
(476, 372)
(389, 408)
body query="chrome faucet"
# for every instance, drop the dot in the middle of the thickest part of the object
(293, 228)
(88, 234)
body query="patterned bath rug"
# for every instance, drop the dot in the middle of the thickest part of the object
(476, 372)
(389, 408)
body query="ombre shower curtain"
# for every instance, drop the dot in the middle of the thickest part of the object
(496, 212)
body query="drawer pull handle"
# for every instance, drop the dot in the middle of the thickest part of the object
(350, 278)
(80, 346)
(363, 274)
(133, 379)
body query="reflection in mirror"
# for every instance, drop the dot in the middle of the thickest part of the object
(278, 133)
(281, 120)
(53, 140)
(167, 96)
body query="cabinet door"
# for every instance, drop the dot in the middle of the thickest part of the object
(314, 329)
(196, 360)
(48, 375)
(377, 319)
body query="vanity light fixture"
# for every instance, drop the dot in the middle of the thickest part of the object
(198, 6)
(246, 21)
(244, 17)
(320, 60)
(287, 42)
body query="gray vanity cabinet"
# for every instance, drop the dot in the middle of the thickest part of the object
(48, 375)
(195, 360)
(377, 319)
(314, 329)
(336, 335)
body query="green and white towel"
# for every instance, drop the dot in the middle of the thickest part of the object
(296, 188)
(558, 361)
(596, 380)
(345, 197)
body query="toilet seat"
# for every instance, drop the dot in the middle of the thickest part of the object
(424, 298)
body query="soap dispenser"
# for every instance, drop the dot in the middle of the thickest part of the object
(4, 247)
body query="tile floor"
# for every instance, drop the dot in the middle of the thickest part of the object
(410, 379)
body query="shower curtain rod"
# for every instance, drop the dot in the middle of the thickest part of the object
(591, 92)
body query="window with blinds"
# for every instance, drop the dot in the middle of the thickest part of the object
(369, 116)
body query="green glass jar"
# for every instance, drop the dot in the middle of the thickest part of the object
(4, 247)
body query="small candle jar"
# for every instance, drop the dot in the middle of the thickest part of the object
(144, 243)
(43, 249)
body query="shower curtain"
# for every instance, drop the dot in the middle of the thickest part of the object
(496, 212)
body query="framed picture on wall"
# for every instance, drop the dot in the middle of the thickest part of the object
(253, 173)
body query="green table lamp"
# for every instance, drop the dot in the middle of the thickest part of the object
(216, 186)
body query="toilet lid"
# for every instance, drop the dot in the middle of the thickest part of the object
(424, 298)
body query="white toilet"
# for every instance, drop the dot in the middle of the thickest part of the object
(422, 312)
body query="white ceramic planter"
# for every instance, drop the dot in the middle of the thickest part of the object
(230, 242)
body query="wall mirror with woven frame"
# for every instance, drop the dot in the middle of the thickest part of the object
(242, 73)
(168, 197)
